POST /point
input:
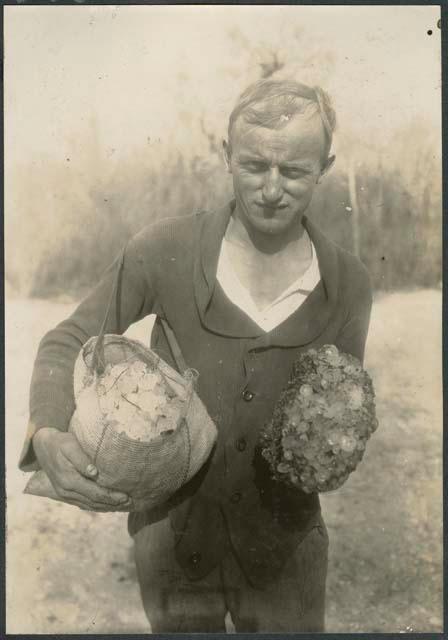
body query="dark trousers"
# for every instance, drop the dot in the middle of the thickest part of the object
(295, 602)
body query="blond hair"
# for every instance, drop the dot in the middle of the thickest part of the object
(271, 103)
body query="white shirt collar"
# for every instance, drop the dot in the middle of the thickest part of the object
(278, 310)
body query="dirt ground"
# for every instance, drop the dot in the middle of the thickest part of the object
(69, 571)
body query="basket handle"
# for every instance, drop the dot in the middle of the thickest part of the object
(98, 361)
(174, 346)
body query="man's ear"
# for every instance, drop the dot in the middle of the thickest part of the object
(227, 154)
(330, 162)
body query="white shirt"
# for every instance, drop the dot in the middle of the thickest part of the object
(282, 307)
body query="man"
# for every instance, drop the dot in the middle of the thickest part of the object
(245, 290)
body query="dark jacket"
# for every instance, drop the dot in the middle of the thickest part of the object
(170, 270)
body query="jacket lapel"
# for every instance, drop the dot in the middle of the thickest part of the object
(220, 316)
(216, 311)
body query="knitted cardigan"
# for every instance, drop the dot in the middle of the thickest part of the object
(170, 270)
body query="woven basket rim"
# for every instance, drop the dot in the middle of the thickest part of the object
(141, 348)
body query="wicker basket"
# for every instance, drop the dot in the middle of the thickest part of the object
(149, 472)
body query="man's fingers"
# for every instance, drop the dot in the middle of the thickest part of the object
(83, 505)
(80, 501)
(75, 475)
(97, 494)
(73, 452)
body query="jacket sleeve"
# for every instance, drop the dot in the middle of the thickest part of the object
(353, 335)
(51, 395)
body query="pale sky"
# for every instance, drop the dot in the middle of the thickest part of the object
(148, 71)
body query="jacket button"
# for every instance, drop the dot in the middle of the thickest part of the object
(247, 395)
(235, 497)
(195, 558)
(241, 444)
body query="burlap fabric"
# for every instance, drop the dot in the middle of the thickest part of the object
(150, 472)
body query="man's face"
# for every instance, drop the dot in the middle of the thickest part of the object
(275, 171)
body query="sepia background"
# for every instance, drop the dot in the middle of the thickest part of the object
(114, 117)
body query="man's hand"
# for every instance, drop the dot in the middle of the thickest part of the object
(72, 473)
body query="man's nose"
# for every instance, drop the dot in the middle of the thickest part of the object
(272, 189)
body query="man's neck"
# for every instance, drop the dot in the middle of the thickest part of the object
(266, 269)
(253, 241)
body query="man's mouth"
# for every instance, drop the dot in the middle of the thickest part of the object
(271, 207)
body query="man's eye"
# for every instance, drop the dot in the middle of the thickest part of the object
(255, 167)
(292, 173)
